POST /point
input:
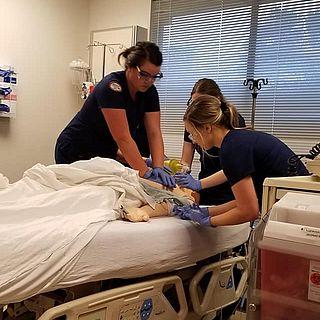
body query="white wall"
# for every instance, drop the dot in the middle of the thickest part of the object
(106, 14)
(39, 38)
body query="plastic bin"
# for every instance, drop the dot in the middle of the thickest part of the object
(290, 259)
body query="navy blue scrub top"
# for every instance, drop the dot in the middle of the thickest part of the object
(88, 135)
(210, 164)
(257, 154)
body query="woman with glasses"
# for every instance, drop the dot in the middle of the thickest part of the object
(120, 104)
(247, 158)
(211, 192)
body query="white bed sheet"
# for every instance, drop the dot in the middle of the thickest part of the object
(49, 216)
(114, 249)
(126, 250)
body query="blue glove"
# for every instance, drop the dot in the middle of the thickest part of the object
(149, 162)
(194, 213)
(186, 180)
(160, 176)
(164, 177)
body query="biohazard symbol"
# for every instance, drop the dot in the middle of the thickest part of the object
(315, 278)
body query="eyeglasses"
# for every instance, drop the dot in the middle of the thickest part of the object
(147, 76)
(189, 101)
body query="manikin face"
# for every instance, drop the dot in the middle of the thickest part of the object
(145, 75)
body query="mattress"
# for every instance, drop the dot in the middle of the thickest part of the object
(122, 249)
(125, 250)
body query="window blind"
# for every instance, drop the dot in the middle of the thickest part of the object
(230, 41)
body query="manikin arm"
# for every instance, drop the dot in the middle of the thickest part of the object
(161, 209)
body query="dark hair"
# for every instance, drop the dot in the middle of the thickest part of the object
(207, 86)
(142, 51)
(210, 87)
(206, 109)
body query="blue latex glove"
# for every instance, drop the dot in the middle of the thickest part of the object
(164, 177)
(149, 162)
(186, 180)
(160, 176)
(194, 213)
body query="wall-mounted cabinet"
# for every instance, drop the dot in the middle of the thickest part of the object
(106, 44)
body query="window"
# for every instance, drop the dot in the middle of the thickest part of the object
(230, 41)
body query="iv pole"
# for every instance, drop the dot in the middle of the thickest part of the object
(254, 85)
(111, 50)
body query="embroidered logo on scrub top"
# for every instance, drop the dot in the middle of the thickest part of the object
(115, 86)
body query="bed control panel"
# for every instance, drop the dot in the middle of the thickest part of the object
(146, 309)
(131, 312)
(141, 301)
(136, 311)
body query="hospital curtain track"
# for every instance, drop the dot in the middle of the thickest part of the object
(230, 41)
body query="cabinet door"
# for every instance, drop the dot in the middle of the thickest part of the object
(105, 46)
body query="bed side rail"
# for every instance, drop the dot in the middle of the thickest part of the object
(145, 300)
(219, 289)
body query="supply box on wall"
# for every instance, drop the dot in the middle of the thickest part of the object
(8, 91)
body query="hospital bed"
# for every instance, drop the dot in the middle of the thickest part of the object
(158, 269)
(163, 245)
